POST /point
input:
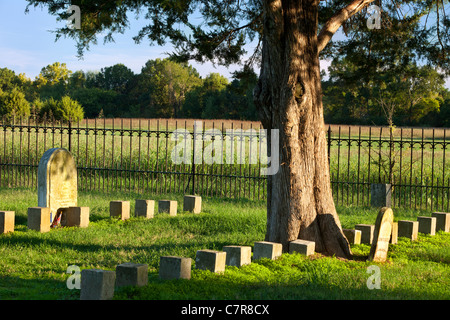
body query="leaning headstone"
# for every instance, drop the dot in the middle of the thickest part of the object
(381, 235)
(57, 180)
(75, 217)
(304, 247)
(427, 225)
(131, 274)
(442, 221)
(408, 229)
(6, 221)
(266, 249)
(171, 267)
(380, 195)
(211, 260)
(119, 209)
(168, 206)
(238, 256)
(353, 236)
(97, 284)
(192, 204)
(366, 232)
(39, 219)
(394, 233)
(144, 208)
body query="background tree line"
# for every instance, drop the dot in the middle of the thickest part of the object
(164, 88)
(358, 90)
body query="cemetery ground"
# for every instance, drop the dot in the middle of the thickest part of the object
(34, 265)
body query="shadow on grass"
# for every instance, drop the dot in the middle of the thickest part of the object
(16, 288)
(217, 287)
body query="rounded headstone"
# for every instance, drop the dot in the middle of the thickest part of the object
(57, 180)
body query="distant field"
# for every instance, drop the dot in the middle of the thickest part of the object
(137, 154)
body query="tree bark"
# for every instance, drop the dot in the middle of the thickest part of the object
(289, 98)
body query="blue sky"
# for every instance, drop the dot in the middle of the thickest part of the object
(27, 45)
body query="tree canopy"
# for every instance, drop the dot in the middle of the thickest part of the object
(219, 31)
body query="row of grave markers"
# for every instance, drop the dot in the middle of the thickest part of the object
(384, 232)
(40, 218)
(97, 284)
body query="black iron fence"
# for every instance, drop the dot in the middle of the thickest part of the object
(162, 156)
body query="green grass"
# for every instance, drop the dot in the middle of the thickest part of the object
(33, 265)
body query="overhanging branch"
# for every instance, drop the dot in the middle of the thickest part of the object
(335, 22)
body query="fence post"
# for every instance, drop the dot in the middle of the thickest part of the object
(70, 135)
(329, 144)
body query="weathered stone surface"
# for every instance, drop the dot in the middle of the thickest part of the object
(144, 208)
(353, 236)
(366, 232)
(119, 209)
(380, 195)
(408, 229)
(192, 204)
(39, 219)
(394, 233)
(7, 221)
(238, 255)
(171, 267)
(168, 206)
(265, 249)
(427, 225)
(97, 284)
(211, 260)
(75, 217)
(57, 180)
(302, 246)
(382, 235)
(131, 274)
(442, 221)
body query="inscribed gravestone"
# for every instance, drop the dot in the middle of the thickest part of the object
(57, 180)
(382, 235)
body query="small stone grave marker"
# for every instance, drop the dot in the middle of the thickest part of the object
(211, 260)
(192, 204)
(7, 221)
(39, 219)
(442, 221)
(57, 180)
(353, 236)
(97, 284)
(366, 232)
(172, 267)
(380, 195)
(382, 235)
(144, 208)
(168, 206)
(266, 249)
(304, 247)
(75, 217)
(238, 256)
(427, 225)
(121, 209)
(131, 274)
(408, 229)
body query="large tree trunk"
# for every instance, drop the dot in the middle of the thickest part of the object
(289, 97)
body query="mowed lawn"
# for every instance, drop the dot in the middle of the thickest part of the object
(34, 265)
